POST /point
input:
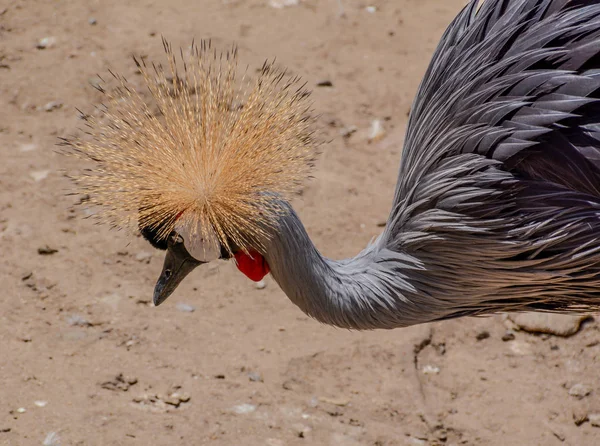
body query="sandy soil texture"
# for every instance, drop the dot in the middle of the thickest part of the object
(86, 360)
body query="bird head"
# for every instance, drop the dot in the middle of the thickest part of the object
(185, 251)
(196, 161)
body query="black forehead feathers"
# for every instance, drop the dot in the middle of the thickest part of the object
(151, 234)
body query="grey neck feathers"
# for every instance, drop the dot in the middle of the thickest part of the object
(387, 286)
(364, 292)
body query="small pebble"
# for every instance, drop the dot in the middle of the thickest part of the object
(40, 403)
(46, 250)
(335, 401)
(119, 382)
(521, 348)
(325, 83)
(508, 336)
(92, 21)
(558, 434)
(39, 175)
(441, 434)
(27, 147)
(185, 307)
(255, 377)
(283, 3)
(46, 42)
(172, 400)
(594, 419)
(371, 9)
(78, 321)
(52, 105)
(260, 285)
(52, 439)
(21, 410)
(143, 257)
(431, 370)
(580, 391)
(347, 132)
(245, 408)
(482, 335)
(579, 417)
(301, 430)
(377, 131)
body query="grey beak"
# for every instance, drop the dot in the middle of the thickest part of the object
(178, 264)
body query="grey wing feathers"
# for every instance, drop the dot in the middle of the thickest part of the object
(498, 196)
(516, 81)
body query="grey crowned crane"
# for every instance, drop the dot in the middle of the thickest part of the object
(497, 204)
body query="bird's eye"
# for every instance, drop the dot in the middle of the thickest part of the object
(176, 238)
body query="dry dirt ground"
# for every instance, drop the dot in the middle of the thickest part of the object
(84, 358)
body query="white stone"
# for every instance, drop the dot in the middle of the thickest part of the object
(279, 4)
(245, 408)
(27, 147)
(580, 390)
(52, 439)
(594, 419)
(39, 175)
(377, 131)
(431, 370)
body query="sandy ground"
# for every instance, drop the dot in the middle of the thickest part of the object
(84, 358)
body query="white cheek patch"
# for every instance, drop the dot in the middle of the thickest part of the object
(202, 245)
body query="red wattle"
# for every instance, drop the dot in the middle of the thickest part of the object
(253, 265)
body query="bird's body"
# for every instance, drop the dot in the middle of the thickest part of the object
(497, 205)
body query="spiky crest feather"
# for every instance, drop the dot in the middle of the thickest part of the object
(201, 149)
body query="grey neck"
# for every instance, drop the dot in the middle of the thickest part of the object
(358, 293)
